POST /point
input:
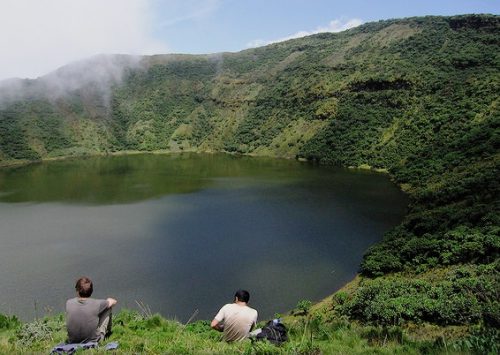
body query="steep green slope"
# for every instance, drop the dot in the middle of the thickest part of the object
(417, 97)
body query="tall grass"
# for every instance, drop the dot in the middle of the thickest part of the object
(143, 332)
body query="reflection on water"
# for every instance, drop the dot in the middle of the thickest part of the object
(183, 232)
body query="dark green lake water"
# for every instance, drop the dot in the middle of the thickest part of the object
(182, 232)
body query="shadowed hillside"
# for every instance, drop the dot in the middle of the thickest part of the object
(417, 97)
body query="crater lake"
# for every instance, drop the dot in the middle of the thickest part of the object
(181, 233)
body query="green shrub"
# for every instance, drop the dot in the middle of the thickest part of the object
(340, 297)
(9, 322)
(466, 296)
(483, 340)
(303, 307)
(36, 331)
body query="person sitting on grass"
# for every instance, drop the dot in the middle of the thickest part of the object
(236, 319)
(88, 319)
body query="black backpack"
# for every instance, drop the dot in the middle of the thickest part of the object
(274, 331)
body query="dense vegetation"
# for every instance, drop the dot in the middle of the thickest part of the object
(417, 97)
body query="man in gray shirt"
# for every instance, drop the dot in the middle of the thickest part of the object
(87, 319)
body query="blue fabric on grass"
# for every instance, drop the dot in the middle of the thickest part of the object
(111, 346)
(72, 348)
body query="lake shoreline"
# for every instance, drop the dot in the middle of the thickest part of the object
(19, 163)
(312, 192)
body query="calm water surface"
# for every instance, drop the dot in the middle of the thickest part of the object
(182, 232)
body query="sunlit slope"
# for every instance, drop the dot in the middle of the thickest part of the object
(370, 94)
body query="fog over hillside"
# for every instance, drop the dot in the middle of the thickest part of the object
(98, 74)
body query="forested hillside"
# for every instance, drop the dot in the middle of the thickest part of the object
(416, 97)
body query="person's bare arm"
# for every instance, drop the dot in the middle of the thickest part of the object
(254, 323)
(111, 302)
(217, 325)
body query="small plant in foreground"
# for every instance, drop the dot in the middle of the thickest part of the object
(303, 307)
(7, 322)
(33, 332)
(481, 341)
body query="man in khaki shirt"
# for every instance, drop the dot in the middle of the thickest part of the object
(236, 319)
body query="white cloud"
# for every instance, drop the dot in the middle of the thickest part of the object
(333, 26)
(38, 36)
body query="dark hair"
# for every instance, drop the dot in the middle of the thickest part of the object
(84, 287)
(242, 296)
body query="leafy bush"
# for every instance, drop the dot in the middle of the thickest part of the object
(466, 295)
(480, 341)
(303, 306)
(37, 331)
(9, 322)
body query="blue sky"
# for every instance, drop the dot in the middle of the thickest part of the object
(38, 36)
(231, 25)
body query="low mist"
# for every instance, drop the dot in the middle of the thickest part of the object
(98, 74)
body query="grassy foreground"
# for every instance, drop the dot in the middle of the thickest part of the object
(309, 332)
